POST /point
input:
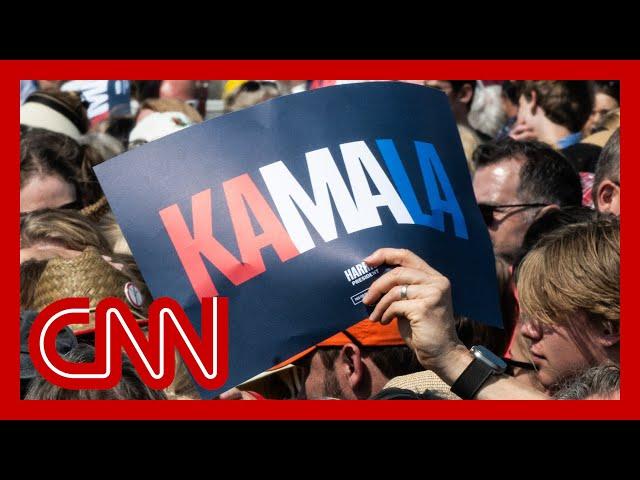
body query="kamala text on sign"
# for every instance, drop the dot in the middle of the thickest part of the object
(357, 207)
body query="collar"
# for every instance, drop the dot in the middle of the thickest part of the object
(569, 140)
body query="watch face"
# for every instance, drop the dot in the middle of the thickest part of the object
(489, 357)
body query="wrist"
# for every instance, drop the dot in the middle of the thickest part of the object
(451, 364)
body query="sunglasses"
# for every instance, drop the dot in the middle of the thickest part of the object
(488, 211)
(255, 85)
(75, 205)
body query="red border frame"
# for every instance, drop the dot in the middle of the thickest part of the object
(13, 408)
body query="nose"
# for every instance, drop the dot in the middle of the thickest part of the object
(531, 330)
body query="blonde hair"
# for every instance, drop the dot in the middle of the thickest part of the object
(574, 268)
(470, 142)
(112, 232)
(65, 228)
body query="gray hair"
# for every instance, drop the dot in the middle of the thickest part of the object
(487, 114)
(602, 381)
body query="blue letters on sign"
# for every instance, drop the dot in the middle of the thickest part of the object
(431, 168)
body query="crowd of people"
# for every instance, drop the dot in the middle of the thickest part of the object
(544, 157)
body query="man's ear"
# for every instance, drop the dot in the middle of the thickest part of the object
(466, 93)
(533, 102)
(350, 363)
(544, 210)
(606, 194)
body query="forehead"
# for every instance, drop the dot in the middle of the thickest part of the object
(498, 183)
(602, 100)
(45, 191)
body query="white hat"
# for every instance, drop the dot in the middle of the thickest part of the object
(157, 125)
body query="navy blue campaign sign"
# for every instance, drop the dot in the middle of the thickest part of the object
(277, 205)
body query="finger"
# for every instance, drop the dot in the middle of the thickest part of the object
(233, 394)
(397, 276)
(398, 256)
(520, 137)
(402, 308)
(517, 134)
(522, 132)
(394, 295)
(248, 396)
(519, 129)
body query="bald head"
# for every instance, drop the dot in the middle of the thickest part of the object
(180, 89)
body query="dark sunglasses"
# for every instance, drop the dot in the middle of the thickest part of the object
(488, 211)
(255, 85)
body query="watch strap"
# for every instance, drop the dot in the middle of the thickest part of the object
(473, 377)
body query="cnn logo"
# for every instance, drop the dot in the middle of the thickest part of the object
(152, 355)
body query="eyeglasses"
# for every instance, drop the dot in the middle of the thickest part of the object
(488, 211)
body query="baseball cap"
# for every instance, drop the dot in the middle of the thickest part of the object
(231, 86)
(363, 334)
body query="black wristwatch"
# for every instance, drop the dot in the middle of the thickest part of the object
(485, 364)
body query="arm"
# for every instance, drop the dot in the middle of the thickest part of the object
(425, 320)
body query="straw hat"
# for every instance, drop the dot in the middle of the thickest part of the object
(422, 381)
(87, 275)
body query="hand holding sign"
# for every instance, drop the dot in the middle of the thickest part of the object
(420, 297)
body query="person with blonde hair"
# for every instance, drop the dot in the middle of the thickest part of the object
(49, 233)
(569, 292)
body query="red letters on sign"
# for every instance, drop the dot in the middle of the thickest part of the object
(241, 194)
